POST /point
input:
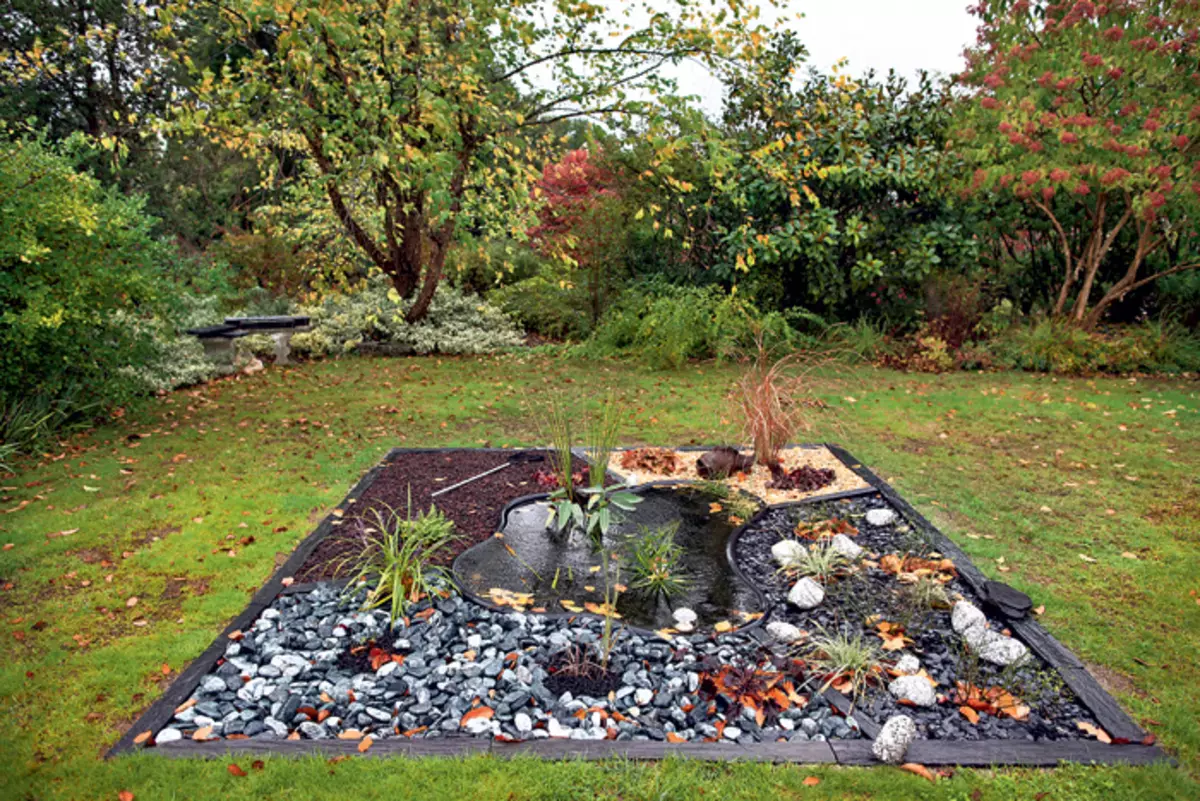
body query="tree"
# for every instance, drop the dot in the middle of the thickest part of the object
(421, 122)
(579, 222)
(1088, 112)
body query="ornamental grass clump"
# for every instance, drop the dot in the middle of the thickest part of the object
(395, 560)
(848, 660)
(773, 396)
(820, 561)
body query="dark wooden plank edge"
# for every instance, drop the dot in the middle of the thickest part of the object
(1103, 706)
(162, 710)
(984, 753)
(796, 753)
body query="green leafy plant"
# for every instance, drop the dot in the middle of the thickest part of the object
(601, 440)
(395, 560)
(657, 562)
(821, 561)
(840, 655)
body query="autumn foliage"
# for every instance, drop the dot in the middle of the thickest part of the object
(1090, 113)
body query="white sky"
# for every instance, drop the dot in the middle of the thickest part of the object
(907, 35)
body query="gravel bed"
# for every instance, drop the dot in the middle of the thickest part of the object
(299, 673)
(850, 601)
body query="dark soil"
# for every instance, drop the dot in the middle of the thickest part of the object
(475, 508)
(852, 600)
(565, 677)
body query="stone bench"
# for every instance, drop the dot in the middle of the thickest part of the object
(219, 340)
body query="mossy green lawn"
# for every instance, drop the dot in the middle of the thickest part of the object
(135, 545)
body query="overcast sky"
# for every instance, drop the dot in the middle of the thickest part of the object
(907, 35)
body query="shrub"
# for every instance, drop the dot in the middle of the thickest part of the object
(456, 324)
(667, 325)
(1050, 346)
(77, 264)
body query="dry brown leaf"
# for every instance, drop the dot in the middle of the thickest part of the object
(672, 737)
(969, 713)
(124, 795)
(364, 744)
(1095, 731)
(811, 781)
(350, 734)
(143, 737)
(919, 770)
(202, 734)
(235, 769)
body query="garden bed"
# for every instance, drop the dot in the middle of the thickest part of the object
(303, 669)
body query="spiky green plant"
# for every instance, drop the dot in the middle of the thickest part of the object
(601, 439)
(821, 561)
(558, 430)
(657, 562)
(394, 562)
(844, 655)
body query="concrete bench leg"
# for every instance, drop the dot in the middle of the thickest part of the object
(283, 346)
(221, 352)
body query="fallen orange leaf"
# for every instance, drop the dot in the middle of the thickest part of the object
(124, 795)
(672, 737)
(919, 770)
(811, 781)
(478, 713)
(235, 769)
(364, 744)
(969, 713)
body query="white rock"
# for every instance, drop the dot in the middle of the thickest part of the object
(908, 665)
(643, 696)
(965, 615)
(914, 689)
(168, 735)
(980, 636)
(556, 729)
(684, 628)
(684, 615)
(787, 552)
(732, 732)
(894, 739)
(474, 642)
(387, 669)
(523, 722)
(846, 546)
(1004, 651)
(806, 593)
(881, 517)
(784, 632)
(278, 726)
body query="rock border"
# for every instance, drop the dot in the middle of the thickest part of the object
(1127, 747)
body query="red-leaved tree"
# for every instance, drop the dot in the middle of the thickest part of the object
(1090, 112)
(576, 223)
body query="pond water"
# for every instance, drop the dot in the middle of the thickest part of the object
(554, 568)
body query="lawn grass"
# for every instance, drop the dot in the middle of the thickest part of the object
(1028, 473)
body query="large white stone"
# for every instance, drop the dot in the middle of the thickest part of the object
(894, 739)
(966, 615)
(1004, 651)
(806, 593)
(846, 546)
(908, 665)
(914, 689)
(787, 553)
(881, 517)
(980, 636)
(784, 632)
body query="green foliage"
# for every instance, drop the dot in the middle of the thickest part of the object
(395, 558)
(1049, 346)
(78, 276)
(667, 325)
(845, 655)
(31, 421)
(820, 561)
(657, 562)
(456, 323)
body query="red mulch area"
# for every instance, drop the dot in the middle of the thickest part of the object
(475, 508)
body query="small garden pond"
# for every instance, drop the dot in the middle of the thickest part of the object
(529, 566)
